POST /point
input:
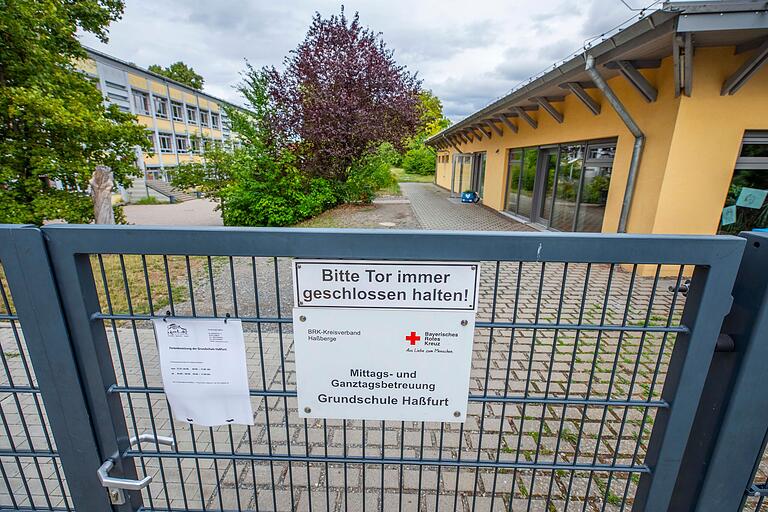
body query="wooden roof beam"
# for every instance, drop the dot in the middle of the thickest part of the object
(522, 114)
(734, 82)
(509, 124)
(637, 80)
(578, 90)
(498, 130)
(550, 109)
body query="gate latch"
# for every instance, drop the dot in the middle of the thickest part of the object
(758, 490)
(117, 486)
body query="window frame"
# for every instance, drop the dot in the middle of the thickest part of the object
(587, 145)
(205, 118)
(160, 137)
(192, 119)
(747, 162)
(144, 108)
(185, 140)
(174, 105)
(215, 124)
(160, 101)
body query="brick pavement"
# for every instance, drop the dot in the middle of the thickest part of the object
(435, 211)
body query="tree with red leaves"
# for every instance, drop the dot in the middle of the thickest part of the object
(341, 94)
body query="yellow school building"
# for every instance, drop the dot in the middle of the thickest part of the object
(661, 127)
(180, 121)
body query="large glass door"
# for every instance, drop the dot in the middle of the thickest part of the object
(546, 175)
(460, 173)
(478, 173)
(562, 187)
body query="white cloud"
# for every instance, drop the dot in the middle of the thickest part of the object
(468, 53)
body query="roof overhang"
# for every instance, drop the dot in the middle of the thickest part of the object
(670, 31)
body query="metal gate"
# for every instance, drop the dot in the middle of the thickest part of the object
(590, 357)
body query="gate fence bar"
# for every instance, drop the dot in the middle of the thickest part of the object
(731, 444)
(518, 264)
(34, 298)
(590, 361)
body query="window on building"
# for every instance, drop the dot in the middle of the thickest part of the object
(177, 110)
(194, 144)
(191, 115)
(204, 118)
(141, 102)
(182, 144)
(161, 107)
(151, 139)
(214, 121)
(166, 142)
(746, 204)
(154, 172)
(563, 187)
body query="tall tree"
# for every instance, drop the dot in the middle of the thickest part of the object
(420, 158)
(181, 73)
(341, 94)
(54, 128)
(432, 119)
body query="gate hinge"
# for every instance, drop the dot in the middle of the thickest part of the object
(758, 490)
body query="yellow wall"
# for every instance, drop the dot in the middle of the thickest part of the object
(691, 144)
(87, 65)
(145, 120)
(706, 143)
(137, 81)
(158, 88)
(163, 125)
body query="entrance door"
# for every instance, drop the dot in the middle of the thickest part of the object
(460, 173)
(544, 188)
(478, 173)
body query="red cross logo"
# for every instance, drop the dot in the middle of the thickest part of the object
(412, 338)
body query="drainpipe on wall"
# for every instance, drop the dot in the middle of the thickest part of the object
(637, 150)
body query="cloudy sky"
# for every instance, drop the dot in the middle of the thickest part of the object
(467, 52)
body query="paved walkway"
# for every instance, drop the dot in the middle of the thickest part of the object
(435, 211)
(197, 212)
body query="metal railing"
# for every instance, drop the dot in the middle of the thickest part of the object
(590, 361)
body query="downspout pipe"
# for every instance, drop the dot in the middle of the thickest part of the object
(634, 129)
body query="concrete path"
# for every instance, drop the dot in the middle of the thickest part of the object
(198, 212)
(434, 210)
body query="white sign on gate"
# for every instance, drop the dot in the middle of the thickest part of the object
(384, 340)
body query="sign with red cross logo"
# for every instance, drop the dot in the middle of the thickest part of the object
(384, 340)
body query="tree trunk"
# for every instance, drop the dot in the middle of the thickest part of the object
(101, 189)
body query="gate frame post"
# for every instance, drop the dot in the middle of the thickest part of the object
(707, 303)
(80, 300)
(735, 451)
(36, 299)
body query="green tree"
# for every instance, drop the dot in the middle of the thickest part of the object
(257, 183)
(54, 128)
(181, 73)
(432, 119)
(420, 158)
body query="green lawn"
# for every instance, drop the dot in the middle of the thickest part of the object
(404, 177)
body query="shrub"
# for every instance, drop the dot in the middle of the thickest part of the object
(419, 159)
(367, 176)
(147, 200)
(268, 191)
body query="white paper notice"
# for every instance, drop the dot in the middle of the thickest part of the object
(204, 372)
